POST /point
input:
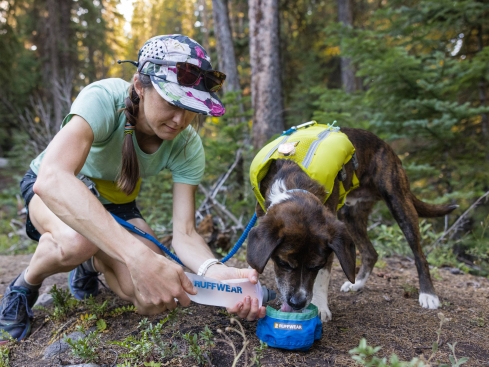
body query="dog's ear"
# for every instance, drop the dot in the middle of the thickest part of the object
(261, 244)
(344, 248)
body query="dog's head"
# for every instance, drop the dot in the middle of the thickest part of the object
(299, 236)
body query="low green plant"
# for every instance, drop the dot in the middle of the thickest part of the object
(149, 345)
(7, 336)
(454, 361)
(258, 353)
(365, 355)
(96, 308)
(63, 304)
(389, 240)
(4, 356)
(87, 347)
(478, 321)
(200, 345)
(13, 239)
(101, 325)
(477, 246)
(409, 290)
(443, 256)
(121, 310)
(435, 274)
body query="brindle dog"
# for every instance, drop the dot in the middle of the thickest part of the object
(300, 234)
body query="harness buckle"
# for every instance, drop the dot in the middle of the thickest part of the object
(354, 160)
(342, 174)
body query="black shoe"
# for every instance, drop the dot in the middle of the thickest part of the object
(83, 283)
(16, 312)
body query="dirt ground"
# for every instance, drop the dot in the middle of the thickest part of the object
(386, 313)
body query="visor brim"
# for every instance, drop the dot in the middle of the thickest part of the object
(188, 98)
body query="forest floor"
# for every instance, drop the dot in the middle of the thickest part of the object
(386, 313)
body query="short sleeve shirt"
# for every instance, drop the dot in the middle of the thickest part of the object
(101, 104)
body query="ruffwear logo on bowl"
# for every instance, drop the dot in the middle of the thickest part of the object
(278, 325)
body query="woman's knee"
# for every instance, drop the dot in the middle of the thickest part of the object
(71, 247)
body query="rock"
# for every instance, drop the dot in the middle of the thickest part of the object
(61, 346)
(455, 271)
(44, 300)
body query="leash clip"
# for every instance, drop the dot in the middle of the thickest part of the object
(293, 129)
(306, 124)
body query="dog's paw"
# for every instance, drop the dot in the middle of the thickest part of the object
(348, 286)
(325, 314)
(430, 301)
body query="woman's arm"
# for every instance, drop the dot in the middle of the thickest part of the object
(191, 248)
(157, 279)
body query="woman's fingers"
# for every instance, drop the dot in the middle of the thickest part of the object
(248, 309)
(187, 287)
(224, 272)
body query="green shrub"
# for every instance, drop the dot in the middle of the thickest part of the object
(87, 347)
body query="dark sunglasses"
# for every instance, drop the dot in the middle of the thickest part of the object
(187, 74)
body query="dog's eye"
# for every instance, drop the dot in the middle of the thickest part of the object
(316, 268)
(283, 264)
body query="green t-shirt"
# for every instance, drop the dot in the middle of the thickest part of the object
(100, 104)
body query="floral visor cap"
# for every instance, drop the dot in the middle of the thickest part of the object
(179, 48)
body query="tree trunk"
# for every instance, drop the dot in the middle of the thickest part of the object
(225, 46)
(482, 90)
(345, 16)
(58, 64)
(266, 85)
(205, 24)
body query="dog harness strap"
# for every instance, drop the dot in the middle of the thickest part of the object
(206, 265)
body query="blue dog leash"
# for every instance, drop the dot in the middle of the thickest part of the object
(139, 231)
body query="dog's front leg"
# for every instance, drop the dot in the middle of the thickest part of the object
(320, 290)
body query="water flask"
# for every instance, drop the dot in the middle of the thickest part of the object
(227, 293)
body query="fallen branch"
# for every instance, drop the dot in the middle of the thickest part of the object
(211, 195)
(458, 222)
(218, 206)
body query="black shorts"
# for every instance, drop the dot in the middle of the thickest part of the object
(124, 211)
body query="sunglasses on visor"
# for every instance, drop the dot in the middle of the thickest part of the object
(187, 74)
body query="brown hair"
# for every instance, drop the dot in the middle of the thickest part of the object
(129, 174)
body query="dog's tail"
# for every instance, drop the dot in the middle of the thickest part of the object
(426, 210)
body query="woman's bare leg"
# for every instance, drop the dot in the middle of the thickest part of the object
(60, 248)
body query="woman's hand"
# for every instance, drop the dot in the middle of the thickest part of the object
(158, 281)
(248, 308)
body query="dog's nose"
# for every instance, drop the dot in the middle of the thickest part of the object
(297, 303)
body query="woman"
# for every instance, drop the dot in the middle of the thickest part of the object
(116, 134)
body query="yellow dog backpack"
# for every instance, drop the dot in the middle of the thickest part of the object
(320, 150)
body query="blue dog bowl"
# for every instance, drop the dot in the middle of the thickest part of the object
(290, 330)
